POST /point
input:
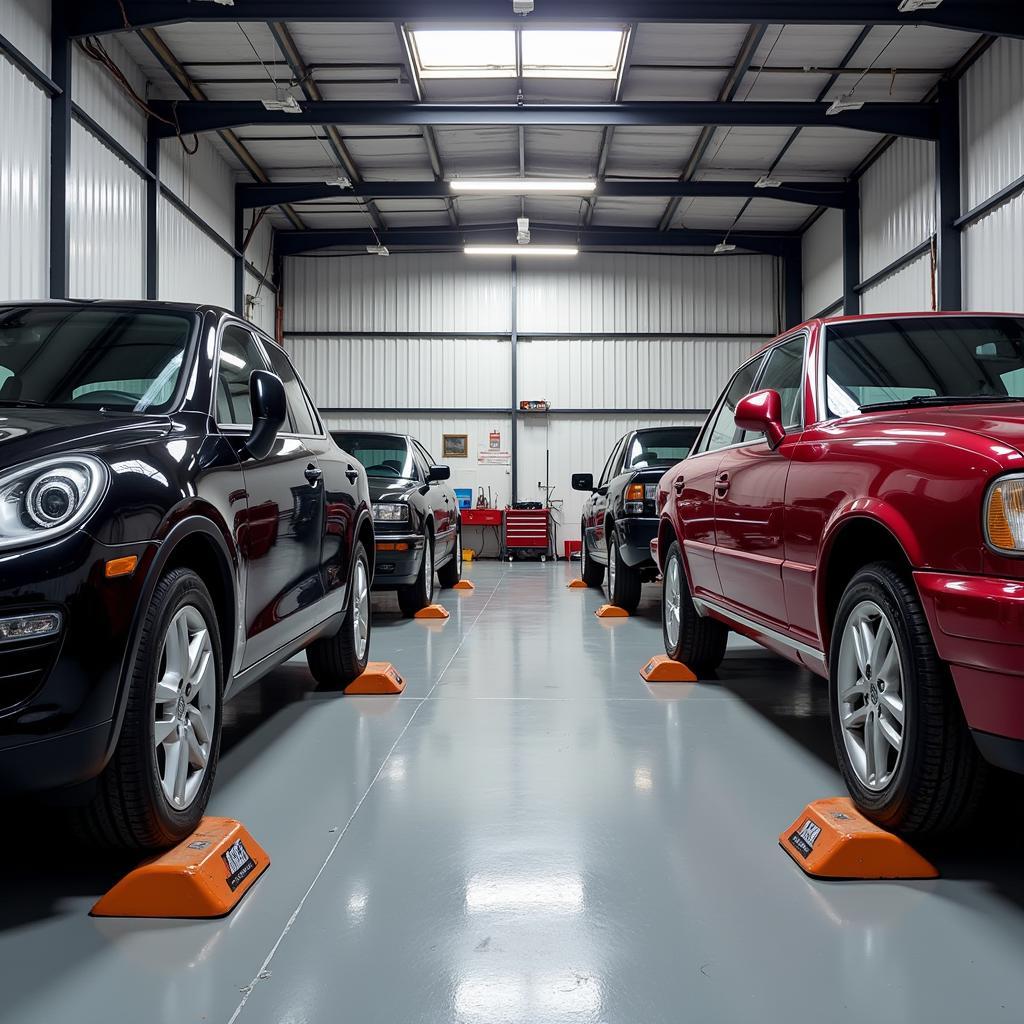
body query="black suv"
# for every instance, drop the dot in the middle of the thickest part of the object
(415, 513)
(174, 523)
(619, 518)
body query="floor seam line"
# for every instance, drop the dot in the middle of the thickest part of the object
(263, 971)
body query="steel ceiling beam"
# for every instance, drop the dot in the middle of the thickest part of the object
(291, 243)
(810, 193)
(998, 17)
(914, 120)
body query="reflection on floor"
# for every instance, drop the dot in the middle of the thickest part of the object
(527, 834)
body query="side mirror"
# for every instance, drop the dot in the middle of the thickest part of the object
(583, 481)
(438, 473)
(269, 412)
(761, 412)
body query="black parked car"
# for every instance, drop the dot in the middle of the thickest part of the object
(619, 518)
(174, 522)
(415, 514)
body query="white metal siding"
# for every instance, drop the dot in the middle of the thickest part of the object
(823, 263)
(897, 204)
(994, 259)
(103, 99)
(27, 24)
(631, 373)
(202, 181)
(907, 290)
(628, 293)
(992, 121)
(192, 267)
(404, 292)
(107, 221)
(24, 184)
(258, 254)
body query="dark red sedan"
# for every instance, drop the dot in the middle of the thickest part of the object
(855, 502)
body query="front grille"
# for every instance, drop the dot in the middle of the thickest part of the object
(24, 668)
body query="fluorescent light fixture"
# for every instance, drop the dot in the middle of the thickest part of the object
(844, 103)
(378, 250)
(523, 230)
(724, 247)
(288, 106)
(340, 182)
(465, 53)
(572, 53)
(765, 182)
(521, 250)
(912, 6)
(519, 186)
(523, 7)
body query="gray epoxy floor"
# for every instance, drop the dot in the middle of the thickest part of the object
(527, 834)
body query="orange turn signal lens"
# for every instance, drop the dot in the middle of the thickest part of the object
(635, 492)
(1004, 517)
(382, 546)
(121, 566)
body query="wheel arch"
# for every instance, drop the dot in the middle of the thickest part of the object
(364, 534)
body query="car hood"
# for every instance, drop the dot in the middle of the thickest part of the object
(387, 489)
(27, 434)
(996, 421)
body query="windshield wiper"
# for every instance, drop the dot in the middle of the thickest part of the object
(23, 403)
(905, 403)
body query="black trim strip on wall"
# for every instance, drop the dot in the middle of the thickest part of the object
(525, 337)
(29, 68)
(986, 206)
(499, 410)
(898, 264)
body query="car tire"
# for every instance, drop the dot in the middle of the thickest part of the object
(696, 641)
(131, 807)
(591, 572)
(624, 584)
(450, 573)
(932, 781)
(335, 661)
(419, 594)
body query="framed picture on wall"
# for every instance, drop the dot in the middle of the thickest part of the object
(454, 446)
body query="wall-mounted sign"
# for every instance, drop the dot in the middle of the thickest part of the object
(492, 457)
(495, 441)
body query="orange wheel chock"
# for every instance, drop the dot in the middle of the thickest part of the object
(380, 677)
(611, 611)
(832, 839)
(578, 584)
(662, 669)
(205, 875)
(464, 585)
(432, 611)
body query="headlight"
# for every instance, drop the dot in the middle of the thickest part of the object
(48, 498)
(391, 512)
(1004, 514)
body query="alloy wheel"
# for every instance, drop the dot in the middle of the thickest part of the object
(184, 707)
(672, 598)
(360, 609)
(870, 691)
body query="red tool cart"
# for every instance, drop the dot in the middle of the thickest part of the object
(527, 532)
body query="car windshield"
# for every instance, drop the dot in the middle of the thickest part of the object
(660, 448)
(923, 361)
(383, 455)
(87, 357)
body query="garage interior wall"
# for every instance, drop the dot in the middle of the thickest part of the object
(423, 342)
(106, 190)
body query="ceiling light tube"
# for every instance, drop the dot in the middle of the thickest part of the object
(520, 250)
(518, 186)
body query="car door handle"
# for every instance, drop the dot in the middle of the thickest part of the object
(722, 485)
(352, 474)
(313, 474)
(679, 484)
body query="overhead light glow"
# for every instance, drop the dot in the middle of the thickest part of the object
(912, 6)
(288, 106)
(766, 182)
(844, 103)
(519, 186)
(342, 181)
(377, 250)
(724, 247)
(520, 250)
(572, 53)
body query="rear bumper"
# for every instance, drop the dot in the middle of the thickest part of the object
(977, 623)
(635, 534)
(398, 558)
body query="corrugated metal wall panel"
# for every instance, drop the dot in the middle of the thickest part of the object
(203, 182)
(27, 24)
(823, 263)
(897, 204)
(107, 233)
(632, 373)
(907, 290)
(465, 472)
(262, 313)
(994, 259)
(404, 372)
(100, 96)
(630, 293)
(192, 268)
(258, 254)
(992, 121)
(404, 292)
(24, 184)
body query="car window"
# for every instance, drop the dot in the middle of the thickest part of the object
(387, 456)
(611, 467)
(239, 356)
(302, 417)
(721, 428)
(657, 449)
(428, 459)
(783, 373)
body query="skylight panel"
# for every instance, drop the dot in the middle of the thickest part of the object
(465, 53)
(572, 53)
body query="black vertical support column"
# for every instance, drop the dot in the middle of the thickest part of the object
(851, 251)
(793, 284)
(152, 211)
(949, 291)
(60, 151)
(240, 256)
(514, 450)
